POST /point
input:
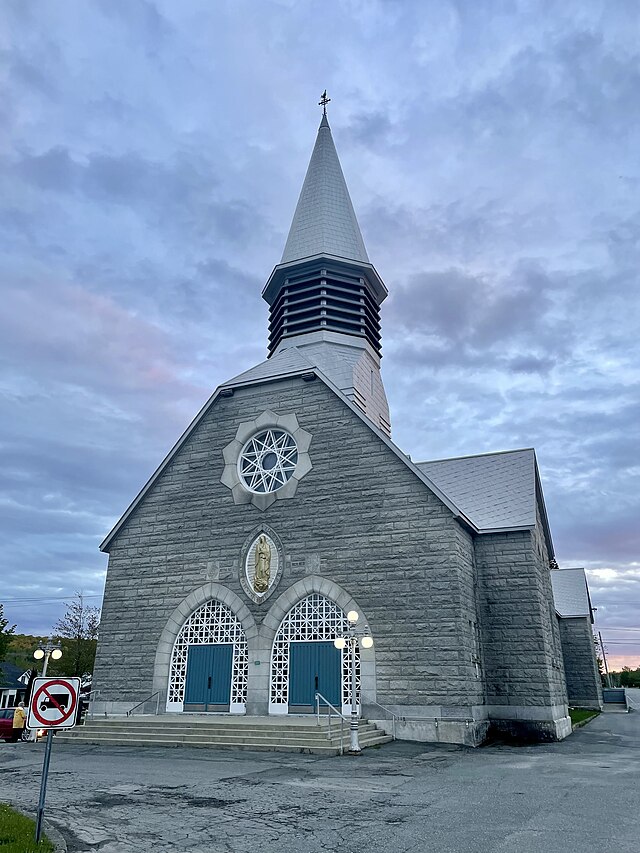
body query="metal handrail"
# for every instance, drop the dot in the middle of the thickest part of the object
(394, 716)
(93, 694)
(332, 708)
(410, 718)
(144, 702)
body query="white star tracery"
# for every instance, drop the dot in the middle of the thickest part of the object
(268, 460)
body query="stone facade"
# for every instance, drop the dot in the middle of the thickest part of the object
(584, 686)
(461, 622)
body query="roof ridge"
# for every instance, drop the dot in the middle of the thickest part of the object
(478, 455)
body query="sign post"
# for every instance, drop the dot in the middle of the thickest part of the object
(53, 705)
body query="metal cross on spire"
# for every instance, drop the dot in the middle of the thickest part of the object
(324, 100)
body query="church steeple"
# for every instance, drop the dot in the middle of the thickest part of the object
(324, 222)
(325, 295)
(325, 279)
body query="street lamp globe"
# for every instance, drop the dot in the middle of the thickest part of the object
(56, 654)
(38, 654)
(366, 642)
(339, 642)
(353, 616)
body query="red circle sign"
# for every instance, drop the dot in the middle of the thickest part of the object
(52, 702)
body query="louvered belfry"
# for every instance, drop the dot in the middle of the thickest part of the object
(325, 281)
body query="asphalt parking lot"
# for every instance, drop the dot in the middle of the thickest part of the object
(578, 796)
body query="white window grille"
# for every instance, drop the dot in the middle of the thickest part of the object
(313, 618)
(268, 460)
(212, 623)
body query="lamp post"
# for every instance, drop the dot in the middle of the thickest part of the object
(47, 651)
(366, 641)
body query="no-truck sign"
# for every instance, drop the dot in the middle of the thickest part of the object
(54, 702)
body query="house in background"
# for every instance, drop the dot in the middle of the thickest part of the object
(13, 684)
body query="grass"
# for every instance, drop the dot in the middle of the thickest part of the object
(582, 715)
(17, 833)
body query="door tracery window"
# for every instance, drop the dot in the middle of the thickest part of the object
(212, 623)
(313, 618)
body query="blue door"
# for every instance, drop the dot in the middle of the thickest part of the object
(313, 666)
(208, 682)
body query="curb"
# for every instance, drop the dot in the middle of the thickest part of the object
(584, 722)
(55, 837)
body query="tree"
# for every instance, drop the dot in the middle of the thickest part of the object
(22, 648)
(6, 634)
(600, 661)
(77, 633)
(630, 677)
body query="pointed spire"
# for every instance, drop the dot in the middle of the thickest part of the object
(324, 222)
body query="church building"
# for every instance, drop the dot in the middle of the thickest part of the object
(286, 505)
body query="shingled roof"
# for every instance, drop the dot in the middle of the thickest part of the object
(570, 592)
(497, 491)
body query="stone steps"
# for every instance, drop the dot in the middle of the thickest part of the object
(243, 733)
(256, 733)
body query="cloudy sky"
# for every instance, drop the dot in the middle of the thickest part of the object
(151, 154)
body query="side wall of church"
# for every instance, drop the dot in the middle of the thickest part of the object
(512, 634)
(521, 643)
(553, 645)
(360, 517)
(584, 686)
(518, 638)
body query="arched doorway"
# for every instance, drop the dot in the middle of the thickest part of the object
(209, 662)
(304, 659)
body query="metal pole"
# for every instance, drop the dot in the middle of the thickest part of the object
(604, 660)
(43, 784)
(354, 748)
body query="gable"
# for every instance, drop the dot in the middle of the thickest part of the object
(271, 390)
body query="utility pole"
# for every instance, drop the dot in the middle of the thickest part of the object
(604, 660)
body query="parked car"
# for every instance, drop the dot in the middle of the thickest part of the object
(6, 725)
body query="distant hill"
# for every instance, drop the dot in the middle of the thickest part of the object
(21, 649)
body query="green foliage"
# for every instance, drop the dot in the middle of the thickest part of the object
(77, 633)
(629, 677)
(17, 833)
(6, 634)
(22, 649)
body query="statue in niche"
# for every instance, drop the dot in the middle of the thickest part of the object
(263, 564)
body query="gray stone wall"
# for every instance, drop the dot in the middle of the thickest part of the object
(513, 641)
(580, 664)
(521, 647)
(360, 517)
(551, 633)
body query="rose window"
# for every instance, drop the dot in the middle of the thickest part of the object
(267, 461)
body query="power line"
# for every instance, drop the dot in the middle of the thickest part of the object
(622, 628)
(62, 598)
